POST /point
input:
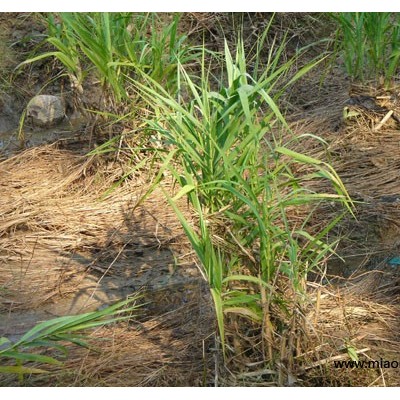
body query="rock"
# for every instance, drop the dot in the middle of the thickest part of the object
(45, 110)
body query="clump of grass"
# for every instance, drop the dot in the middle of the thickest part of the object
(370, 43)
(221, 150)
(116, 45)
(53, 334)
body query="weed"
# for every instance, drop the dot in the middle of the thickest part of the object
(116, 45)
(51, 334)
(370, 43)
(238, 179)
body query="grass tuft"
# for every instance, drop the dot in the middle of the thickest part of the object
(54, 333)
(225, 155)
(371, 44)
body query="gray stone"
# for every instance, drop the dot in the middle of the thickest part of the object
(45, 110)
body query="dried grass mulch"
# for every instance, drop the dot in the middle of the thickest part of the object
(55, 226)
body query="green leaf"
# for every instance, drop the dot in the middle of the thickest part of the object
(298, 156)
(76, 322)
(185, 190)
(19, 370)
(30, 357)
(216, 295)
(351, 351)
(4, 340)
(245, 311)
(247, 278)
(235, 299)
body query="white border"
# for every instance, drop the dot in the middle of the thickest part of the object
(233, 393)
(200, 5)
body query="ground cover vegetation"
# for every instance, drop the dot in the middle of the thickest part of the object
(209, 128)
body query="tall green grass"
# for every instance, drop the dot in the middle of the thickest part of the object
(116, 45)
(228, 161)
(370, 43)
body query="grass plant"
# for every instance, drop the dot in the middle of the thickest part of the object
(27, 352)
(116, 45)
(238, 177)
(371, 44)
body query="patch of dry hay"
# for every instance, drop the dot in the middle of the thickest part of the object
(362, 311)
(55, 232)
(363, 315)
(369, 166)
(54, 227)
(176, 348)
(366, 160)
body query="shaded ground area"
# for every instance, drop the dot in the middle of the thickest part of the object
(65, 251)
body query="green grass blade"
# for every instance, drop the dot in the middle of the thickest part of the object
(20, 370)
(30, 357)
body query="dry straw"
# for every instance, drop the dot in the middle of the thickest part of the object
(54, 227)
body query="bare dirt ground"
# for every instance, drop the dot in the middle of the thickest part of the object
(66, 248)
